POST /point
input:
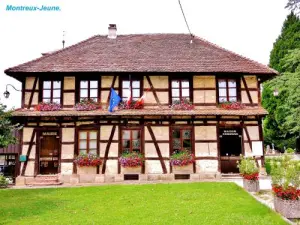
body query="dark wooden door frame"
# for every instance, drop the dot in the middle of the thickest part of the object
(38, 148)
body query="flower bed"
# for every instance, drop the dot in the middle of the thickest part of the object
(47, 106)
(289, 193)
(87, 105)
(232, 105)
(183, 104)
(132, 159)
(87, 160)
(182, 158)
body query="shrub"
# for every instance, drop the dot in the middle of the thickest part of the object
(3, 181)
(286, 178)
(248, 169)
(290, 151)
(87, 160)
(131, 159)
(182, 158)
(87, 105)
(268, 161)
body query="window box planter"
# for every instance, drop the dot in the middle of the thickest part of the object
(47, 106)
(88, 160)
(131, 160)
(87, 105)
(131, 170)
(183, 104)
(182, 159)
(288, 208)
(232, 105)
(188, 169)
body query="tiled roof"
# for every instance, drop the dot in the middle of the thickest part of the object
(249, 111)
(143, 53)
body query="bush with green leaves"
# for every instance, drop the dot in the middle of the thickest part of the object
(3, 181)
(247, 166)
(285, 172)
(268, 161)
(290, 150)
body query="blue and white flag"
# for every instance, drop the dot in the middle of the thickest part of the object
(114, 100)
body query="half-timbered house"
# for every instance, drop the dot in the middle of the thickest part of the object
(166, 66)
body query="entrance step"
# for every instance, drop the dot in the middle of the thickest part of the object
(229, 176)
(44, 180)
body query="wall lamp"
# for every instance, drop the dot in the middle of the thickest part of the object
(6, 93)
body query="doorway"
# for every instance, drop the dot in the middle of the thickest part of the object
(49, 152)
(230, 149)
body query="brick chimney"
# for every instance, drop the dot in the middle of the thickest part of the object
(112, 31)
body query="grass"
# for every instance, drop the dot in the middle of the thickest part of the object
(187, 203)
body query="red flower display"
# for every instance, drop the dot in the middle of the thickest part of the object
(183, 104)
(132, 159)
(47, 106)
(232, 105)
(182, 158)
(253, 176)
(87, 105)
(290, 193)
(87, 160)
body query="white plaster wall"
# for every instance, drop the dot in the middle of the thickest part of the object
(66, 168)
(206, 166)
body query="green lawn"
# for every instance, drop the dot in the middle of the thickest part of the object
(187, 203)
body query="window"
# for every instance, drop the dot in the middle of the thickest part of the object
(88, 142)
(131, 141)
(52, 91)
(181, 139)
(89, 90)
(132, 87)
(227, 90)
(180, 89)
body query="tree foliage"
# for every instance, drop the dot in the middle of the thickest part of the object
(6, 128)
(293, 5)
(289, 39)
(282, 125)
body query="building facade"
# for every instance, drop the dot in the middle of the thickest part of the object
(165, 67)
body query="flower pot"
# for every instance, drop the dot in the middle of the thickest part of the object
(288, 208)
(251, 185)
(131, 170)
(188, 169)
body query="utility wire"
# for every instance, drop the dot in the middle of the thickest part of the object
(187, 25)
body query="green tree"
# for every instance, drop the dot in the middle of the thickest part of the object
(289, 39)
(282, 125)
(6, 128)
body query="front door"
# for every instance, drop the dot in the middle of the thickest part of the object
(49, 152)
(230, 149)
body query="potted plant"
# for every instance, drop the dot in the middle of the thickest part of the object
(250, 173)
(131, 160)
(286, 186)
(181, 160)
(87, 105)
(48, 106)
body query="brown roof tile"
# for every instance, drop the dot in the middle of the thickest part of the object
(143, 53)
(249, 111)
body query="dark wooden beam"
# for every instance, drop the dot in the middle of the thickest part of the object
(153, 90)
(32, 92)
(28, 152)
(247, 90)
(164, 168)
(108, 147)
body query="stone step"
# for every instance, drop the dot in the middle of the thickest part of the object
(45, 184)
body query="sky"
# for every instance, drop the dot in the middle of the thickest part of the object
(246, 27)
